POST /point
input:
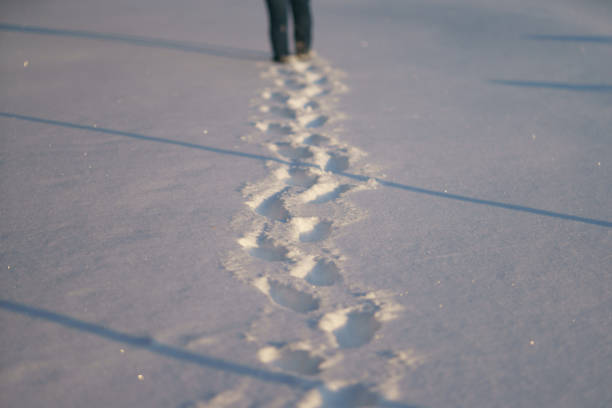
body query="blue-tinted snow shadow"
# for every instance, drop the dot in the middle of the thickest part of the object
(595, 39)
(562, 86)
(194, 47)
(413, 189)
(158, 348)
(175, 353)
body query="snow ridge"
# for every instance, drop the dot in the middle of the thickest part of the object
(287, 242)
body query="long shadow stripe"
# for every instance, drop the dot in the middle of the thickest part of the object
(151, 345)
(165, 350)
(598, 39)
(386, 183)
(216, 50)
(563, 86)
(143, 137)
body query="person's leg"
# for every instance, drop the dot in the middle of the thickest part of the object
(303, 25)
(277, 11)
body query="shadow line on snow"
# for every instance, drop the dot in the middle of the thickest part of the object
(194, 47)
(386, 183)
(562, 86)
(149, 344)
(597, 39)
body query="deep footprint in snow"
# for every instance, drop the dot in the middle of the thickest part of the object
(337, 163)
(294, 84)
(283, 112)
(324, 273)
(292, 152)
(311, 105)
(358, 330)
(351, 328)
(273, 208)
(268, 251)
(318, 233)
(311, 229)
(312, 121)
(287, 296)
(279, 129)
(299, 177)
(279, 97)
(316, 140)
(296, 360)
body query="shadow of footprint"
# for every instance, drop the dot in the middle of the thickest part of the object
(312, 105)
(292, 298)
(294, 84)
(279, 97)
(318, 233)
(299, 361)
(316, 140)
(301, 178)
(356, 395)
(267, 251)
(337, 164)
(283, 112)
(293, 152)
(324, 273)
(313, 121)
(279, 129)
(274, 208)
(351, 328)
(359, 329)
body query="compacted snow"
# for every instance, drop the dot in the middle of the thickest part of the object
(418, 216)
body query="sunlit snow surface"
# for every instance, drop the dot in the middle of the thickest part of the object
(418, 216)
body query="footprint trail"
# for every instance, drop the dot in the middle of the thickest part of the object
(288, 228)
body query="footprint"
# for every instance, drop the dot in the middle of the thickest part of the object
(337, 163)
(283, 112)
(299, 177)
(310, 229)
(340, 396)
(351, 328)
(274, 208)
(297, 360)
(294, 84)
(324, 273)
(287, 296)
(316, 140)
(279, 97)
(320, 232)
(332, 195)
(265, 249)
(311, 105)
(313, 91)
(312, 121)
(280, 129)
(292, 152)
(325, 185)
(298, 102)
(358, 330)
(314, 78)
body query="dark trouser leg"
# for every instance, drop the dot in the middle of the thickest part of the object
(277, 11)
(303, 23)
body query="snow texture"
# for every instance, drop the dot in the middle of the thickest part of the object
(418, 216)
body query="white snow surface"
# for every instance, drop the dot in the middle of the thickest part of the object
(418, 216)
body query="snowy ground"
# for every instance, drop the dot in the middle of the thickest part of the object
(419, 217)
